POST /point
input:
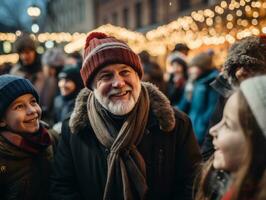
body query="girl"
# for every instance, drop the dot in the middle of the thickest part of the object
(240, 146)
(25, 145)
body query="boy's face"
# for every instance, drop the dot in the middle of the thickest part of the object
(23, 115)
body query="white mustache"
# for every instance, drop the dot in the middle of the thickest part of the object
(119, 91)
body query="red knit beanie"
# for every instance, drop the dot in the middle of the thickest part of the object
(102, 50)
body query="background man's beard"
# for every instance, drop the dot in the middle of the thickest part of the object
(119, 107)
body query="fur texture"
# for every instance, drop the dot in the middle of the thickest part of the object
(250, 51)
(160, 106)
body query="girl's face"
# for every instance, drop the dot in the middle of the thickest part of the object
(23, 115)
(228, 138)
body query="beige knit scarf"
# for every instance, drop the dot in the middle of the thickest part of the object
(124, 156)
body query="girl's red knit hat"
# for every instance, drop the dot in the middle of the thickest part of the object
(102, 50)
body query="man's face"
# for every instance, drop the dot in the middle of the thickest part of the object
(117, 88)
(27, 56)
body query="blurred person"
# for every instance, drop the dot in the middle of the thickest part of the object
(152, 71)
(177, 81)
(5, 68)
(246, 58)
(74, 59)
(29, 65)
(70, 84)
(199, 98)
(180, 51)
(240, 143)
(26, 145)
(53, 61)
(123, 139)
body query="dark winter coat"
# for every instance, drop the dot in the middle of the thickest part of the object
(217, 184)
(33, 72)
(80, 166)
(62, 107)
(24, 176)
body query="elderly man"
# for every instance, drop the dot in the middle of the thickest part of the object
(123, 139)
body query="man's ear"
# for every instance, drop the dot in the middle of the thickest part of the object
(2, 123)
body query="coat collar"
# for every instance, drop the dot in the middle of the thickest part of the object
(159, 104)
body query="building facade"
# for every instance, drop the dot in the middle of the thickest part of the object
(70, 16)
(142, 15)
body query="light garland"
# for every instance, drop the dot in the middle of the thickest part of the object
(12, 58)
(214, 27)
(223, 23)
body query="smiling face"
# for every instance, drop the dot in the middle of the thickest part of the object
(27, 56)
(117, 88)
(66, 86)
(228, 138)
(23, 115)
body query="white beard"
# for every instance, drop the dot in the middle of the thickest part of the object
(119, 107)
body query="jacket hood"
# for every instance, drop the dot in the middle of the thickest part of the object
(159, 105)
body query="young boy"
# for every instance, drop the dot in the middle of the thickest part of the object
(25, 145)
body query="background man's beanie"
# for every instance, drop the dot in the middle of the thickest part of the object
(249, 52)
(24, 42)
(202, 60)
(254, 90)
(54, 58)
(101, 50)
(72, 73)
(11, 87)
(181, 47)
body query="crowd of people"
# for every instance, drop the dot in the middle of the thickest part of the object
(112, 124)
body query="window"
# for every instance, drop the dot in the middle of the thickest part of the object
(184, 4)
(114, 18)
(153, 11)
(125, 17)
(138, 14)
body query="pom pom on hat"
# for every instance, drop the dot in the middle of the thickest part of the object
(93, 35)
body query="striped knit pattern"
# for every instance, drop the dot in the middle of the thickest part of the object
(111, 51)
(11, 87)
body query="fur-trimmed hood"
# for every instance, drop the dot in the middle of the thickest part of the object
(249, 52)
(159, 104)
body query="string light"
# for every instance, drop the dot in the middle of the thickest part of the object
(201, 27)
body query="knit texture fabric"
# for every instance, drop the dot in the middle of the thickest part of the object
(102, 50)
(254, 90)
(202, 60)
(11, 87)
